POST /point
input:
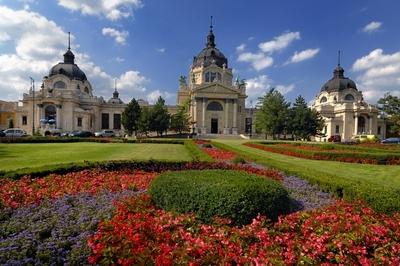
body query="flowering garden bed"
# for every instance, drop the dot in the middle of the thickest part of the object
(103, 215)
(331, 152)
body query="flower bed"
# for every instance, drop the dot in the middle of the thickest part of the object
(318, 152)
(215, 153)
(340, 234)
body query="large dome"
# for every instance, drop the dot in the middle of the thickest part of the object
(339, 82)
(210, 55)
(68, 68)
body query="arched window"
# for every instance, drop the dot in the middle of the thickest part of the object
(349, 97)
(50, 113)
(323, 100)
(214, 106)
(59, 85)
(207, 77)
(86, 89)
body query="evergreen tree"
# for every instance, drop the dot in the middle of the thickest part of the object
(144, 121)
(271, 116)
(130, 117)
(390, 105)
(304, 121)
(181, 120)
(159, 117)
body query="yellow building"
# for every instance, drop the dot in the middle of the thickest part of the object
(7, 113)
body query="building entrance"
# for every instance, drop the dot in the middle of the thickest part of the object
(214, 125)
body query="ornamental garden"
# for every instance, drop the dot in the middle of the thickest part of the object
(198, 202)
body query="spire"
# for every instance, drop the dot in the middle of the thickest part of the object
(69, 40)
(211, 37)
(115, 93)
(339, 71)
(69, 57)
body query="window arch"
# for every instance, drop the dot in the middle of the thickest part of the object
(50, 113)
(59, 85)
(86, 89)
(349, 97)
(323, 100)
(214, 106)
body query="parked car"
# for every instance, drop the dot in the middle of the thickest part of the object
(391, 140)
(81, 134)
(105, 133)
(14, 133)
(2, 134)
(366, 138)
(335, 138)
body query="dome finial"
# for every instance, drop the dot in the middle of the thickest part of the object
(69, 40)
(211, 37)
(115, 94)
(338, 58)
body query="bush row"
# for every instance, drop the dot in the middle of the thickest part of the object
(235, 195)
(350, 157)
(382, 198)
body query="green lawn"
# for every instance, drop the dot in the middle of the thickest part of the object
(17, 156)
(379, 185)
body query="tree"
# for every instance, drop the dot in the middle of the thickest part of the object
(159, 117)
(271, 116)
(390, 105)
(130, 117)
(144, 121)
(304, 122)
(181, 120)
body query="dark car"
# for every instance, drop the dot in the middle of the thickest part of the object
(2, 134)
(391, 141)
(335, 138)
(81, 134)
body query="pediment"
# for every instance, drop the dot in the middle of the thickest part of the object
(216, 89)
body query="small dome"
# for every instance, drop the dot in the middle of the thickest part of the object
(115, 99)
(339, 82)
(210, 54)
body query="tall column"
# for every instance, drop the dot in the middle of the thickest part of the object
(194, 109)
(234, 128)
(370, 125)
(226, 128)
(203, 119)
(344, 136)
(356, 124)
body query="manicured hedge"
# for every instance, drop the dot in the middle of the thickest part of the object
(196, 153)
(230, 194)
(383, 198)
(328, 152)
(76, 139)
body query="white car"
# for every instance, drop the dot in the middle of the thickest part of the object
(104, 133)
(14, 132)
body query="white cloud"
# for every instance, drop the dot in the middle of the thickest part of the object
(160, 50)
(379, 73)
(280, 42)
(28, 31)
(258, 86)
(303, 55)
(153, 96)
(262, 58)
(111, 9)
(119, 59)
(372, 26)
(241, 47)
(258, 61)
(119, 36)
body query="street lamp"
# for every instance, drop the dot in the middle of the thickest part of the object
(33, 104)
(251, 118)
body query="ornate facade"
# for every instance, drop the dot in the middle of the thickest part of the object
(345, 111)
(217, 106)
(65, 102)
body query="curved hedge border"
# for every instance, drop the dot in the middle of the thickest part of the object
(235, 195)
(349, 157)
(382, 199)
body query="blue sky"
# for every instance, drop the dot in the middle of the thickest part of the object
(147, 45)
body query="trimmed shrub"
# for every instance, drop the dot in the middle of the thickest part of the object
(235, 195)
(239, 160)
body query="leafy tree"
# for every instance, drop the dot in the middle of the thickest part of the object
(130, 117)
(390, 105)
(304, 122)
(144, 121)
(180, 122)
(271, 116)
(159, 117)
